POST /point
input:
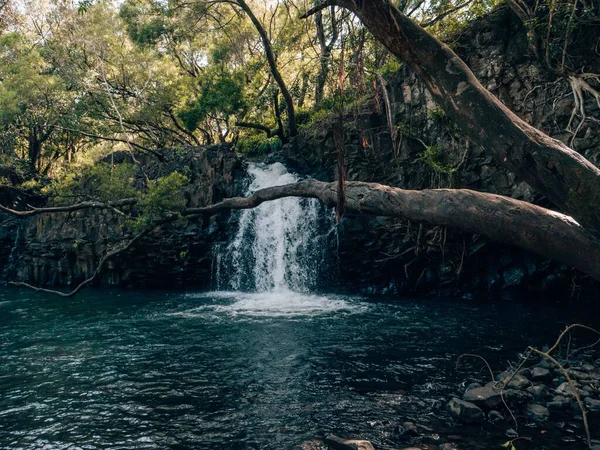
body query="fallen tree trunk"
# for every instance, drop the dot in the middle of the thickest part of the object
(570, 181)
(512, 222)
(503, 219)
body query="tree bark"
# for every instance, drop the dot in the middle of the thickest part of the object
(569, 180)
(503, 219)
(325, 57)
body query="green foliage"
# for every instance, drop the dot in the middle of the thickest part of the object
(99, 181)
(392, 66)
(113, 183)
(437, 114)
(432, 156)
(146, 21)
(258, 145)
(509, 445)
(223, 94)
(163, 198)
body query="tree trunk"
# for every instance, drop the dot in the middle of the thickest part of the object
(553, 169)
(34, 150)
(326, 50)
(503, 219)
(292, 127)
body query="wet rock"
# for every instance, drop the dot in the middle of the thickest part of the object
(495, 417)
(513, 276)
(487, 396)
(464, 411)
(514, 397)
(339, 443)
(406, 430)
(540, 373)
(537, 412)
(539, 391)
(592, 404)
(313, 444)
(526, 373)
(473, 386)
(503, 375)
(518, 382)
(588, 368)
(558, 402)
(578, 375)
(511, 434)
(544, 363)
(587, 389)
(566, 390)
(448, 446)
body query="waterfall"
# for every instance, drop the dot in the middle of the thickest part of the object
(280, 245)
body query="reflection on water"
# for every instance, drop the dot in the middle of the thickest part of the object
(138, 370)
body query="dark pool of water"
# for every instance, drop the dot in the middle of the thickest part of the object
(148, 370)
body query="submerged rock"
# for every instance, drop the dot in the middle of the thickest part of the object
(406, 430)
(539, 391)
(464, 411)
(339, 443)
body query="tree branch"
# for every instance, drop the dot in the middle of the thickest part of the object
(70, 208)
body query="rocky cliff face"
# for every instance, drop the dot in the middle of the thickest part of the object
(63, 250)
(425, 150)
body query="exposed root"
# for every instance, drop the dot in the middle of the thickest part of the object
(579, 86)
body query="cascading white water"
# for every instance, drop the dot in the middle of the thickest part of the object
(275, 260)
(277, 246)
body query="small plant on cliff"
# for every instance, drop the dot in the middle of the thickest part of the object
(437, 115)
(259, 145)
(432, 156)
(163, 198)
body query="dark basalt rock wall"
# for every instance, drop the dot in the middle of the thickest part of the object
(63, 250)
(382, 255)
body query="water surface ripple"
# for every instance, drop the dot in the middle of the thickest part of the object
(141, 370)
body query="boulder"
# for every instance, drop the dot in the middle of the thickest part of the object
(464, 411)
(339, 443)
(537, 412)
(518, 381)
(495, 417)
(515, 397)
(539, 391)
(473, 386)
(592, 404)
(578, 375)
(487, 396)
(558, 402)
(566, 390)
(540, 373)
